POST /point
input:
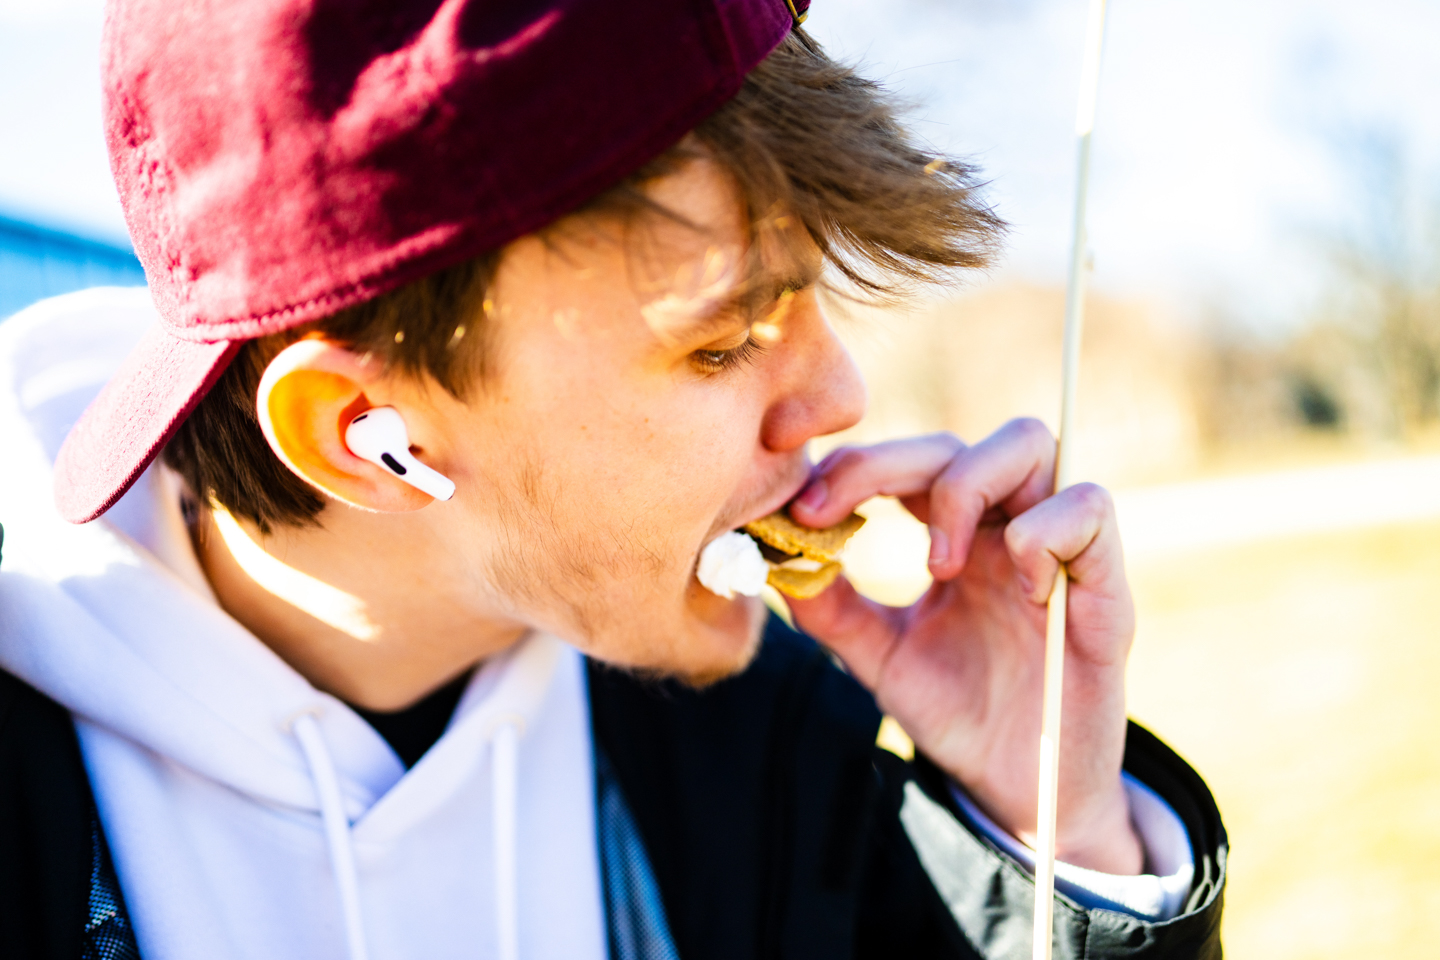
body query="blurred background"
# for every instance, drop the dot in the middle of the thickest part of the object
(1260, 388)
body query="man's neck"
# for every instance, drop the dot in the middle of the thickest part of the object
(370, 628)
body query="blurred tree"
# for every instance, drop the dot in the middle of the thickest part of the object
(1384, 266)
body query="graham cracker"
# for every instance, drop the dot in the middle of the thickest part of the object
(823, 546)
(802, 584)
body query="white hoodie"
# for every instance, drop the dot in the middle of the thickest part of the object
(210, 757)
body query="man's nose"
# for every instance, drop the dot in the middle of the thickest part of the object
(822, 390)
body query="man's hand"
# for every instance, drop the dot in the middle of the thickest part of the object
(962, 669)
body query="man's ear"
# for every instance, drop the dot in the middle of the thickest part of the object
(308, 395)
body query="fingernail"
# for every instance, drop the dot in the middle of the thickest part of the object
(939, 547)
(814, 496)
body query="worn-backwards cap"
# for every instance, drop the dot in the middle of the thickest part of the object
(279, 160)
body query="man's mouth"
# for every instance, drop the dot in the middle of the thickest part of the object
(799, 561)
(732, 561)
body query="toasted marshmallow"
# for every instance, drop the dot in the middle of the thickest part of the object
(731, 564)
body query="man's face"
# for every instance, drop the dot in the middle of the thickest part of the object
(644, 392)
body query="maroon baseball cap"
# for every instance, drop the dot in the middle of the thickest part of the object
(279, 160)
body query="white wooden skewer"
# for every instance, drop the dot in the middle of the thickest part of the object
(1055, 619)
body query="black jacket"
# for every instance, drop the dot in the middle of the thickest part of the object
(774, 825)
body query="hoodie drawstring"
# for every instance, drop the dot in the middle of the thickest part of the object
(504, 773)
(505, 786)
(337, 830)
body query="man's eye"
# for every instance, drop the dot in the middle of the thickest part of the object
(715, 361)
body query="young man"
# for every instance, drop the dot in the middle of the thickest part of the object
(576, 248)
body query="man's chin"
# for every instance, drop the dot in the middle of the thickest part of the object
(711, 638)
(726, 644)
(722, 640)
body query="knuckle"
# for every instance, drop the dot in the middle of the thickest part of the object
(842, 458)
(861, 458)
(947, 440)
(954, 488)
(1018, 536)
(946, 502)
(1094, 499)
(1030, 429)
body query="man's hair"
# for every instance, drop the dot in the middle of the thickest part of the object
(805, 138)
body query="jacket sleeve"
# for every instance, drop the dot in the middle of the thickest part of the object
(46, 815)
(935, 887)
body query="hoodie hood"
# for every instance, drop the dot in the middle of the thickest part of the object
(212, 802)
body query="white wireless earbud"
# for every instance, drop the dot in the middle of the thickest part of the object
(379, 435)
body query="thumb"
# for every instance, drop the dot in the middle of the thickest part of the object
(857, 629)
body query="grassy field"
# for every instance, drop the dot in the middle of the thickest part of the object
(1302, 677)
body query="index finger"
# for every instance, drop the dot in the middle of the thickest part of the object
(851, 475)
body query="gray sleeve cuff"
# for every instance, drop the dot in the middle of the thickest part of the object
(992, 898)
(1156, 895)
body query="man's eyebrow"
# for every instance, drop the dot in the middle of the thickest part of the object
(747, 296)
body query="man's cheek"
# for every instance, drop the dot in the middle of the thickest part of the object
(693, 478)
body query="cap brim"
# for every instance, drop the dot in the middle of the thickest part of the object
(132, 418)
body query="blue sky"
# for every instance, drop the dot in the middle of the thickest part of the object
(1225, 137)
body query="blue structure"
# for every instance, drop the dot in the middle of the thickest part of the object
(37, 262)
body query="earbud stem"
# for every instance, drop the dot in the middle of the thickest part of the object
(379, 436)
(425, 479)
